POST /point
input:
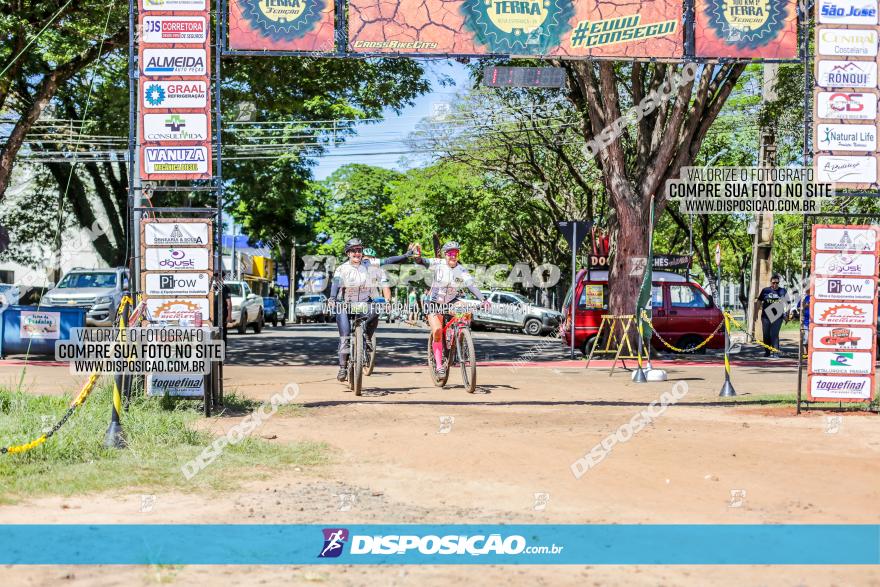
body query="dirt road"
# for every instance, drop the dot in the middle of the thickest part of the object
(407, 452)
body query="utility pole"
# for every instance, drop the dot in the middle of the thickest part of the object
(762, 249)
(291, 305)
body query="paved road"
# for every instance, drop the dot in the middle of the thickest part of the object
(400, 345)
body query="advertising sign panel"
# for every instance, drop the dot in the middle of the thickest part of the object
(841, 387)
(174, 62)
(846, 105)
(846, 74)
(847, 11)
(170, 5)
(40, 325)
(162, 310)
(177, 284)
(176, 162)
(856, 170)
(746, 28)
(294, 25)
(844, 288)
(846, 137)
(174, 94)
(177, 126)
(559, 28)
(177, 233)
(180, 259)
(841, 362)
(844, 42)
(182, 385)
(845, 264)
(847, 338)
(847, 238)
(174, 29)
(843, 314)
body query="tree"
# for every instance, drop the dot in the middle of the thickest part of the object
(34, 69)
(676, 106)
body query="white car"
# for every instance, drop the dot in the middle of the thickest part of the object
(247, 307)
(9, 294)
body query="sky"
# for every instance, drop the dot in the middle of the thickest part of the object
(383, 143)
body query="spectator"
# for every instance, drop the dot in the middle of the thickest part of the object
(412, 305)
(772, 312)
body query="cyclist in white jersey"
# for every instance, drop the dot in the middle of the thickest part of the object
(357, 279)
(447, 278)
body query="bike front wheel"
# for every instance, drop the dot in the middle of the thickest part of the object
(357, 359)
(370, 356)
(467, 359)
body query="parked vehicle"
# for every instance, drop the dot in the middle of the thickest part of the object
(98, 290)
(312, 308)
(9, 294)
(682, 312)
(247, 308)
(274, 311)
(512, 310)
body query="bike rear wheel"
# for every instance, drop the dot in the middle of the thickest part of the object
(357, 356)
(370, 356)
(467, 359)
(439, 380)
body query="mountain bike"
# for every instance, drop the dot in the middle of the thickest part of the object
(458, 345)
(361, 356)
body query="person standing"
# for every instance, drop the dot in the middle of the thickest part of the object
(412, 303)
(772, 313)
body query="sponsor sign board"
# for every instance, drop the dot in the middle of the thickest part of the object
(294, 25)
(843, 313)
(171, 5)
(177, 233)
(847, 105)
(176, 162)
(177, 284)
(743, 28)
(861, 170)
(174, 29)
(846, 42)
(174, 62)
(558, 28)
(846, 137)
(841, 362)
(844, 288)
(846, 74)
(177, 259)
(859, 238)
(163, 309)
(847, 11)
(840, 387)
(40, 325)
(176, 126)
(845, 264)
(182, 385)
(850, 338)
(174, 94)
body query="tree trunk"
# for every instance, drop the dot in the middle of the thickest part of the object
(631, 241)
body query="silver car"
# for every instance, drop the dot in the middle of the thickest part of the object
(511, 310)
(100, 291)
(311, 308)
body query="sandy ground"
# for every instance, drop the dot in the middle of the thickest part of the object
(407, 452)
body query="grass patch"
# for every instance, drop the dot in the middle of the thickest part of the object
(790, 399)
(160, 440)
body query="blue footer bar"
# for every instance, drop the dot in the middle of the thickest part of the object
(440, 544)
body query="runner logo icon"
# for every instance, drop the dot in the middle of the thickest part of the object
(334, 541)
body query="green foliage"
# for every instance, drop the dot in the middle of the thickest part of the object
(161, 437)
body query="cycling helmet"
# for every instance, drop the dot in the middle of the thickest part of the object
(353, 244)
(368, 252)
(451, 245)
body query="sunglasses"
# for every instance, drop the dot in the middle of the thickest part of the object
(452, 253)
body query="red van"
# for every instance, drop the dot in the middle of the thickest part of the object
(683, 313)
